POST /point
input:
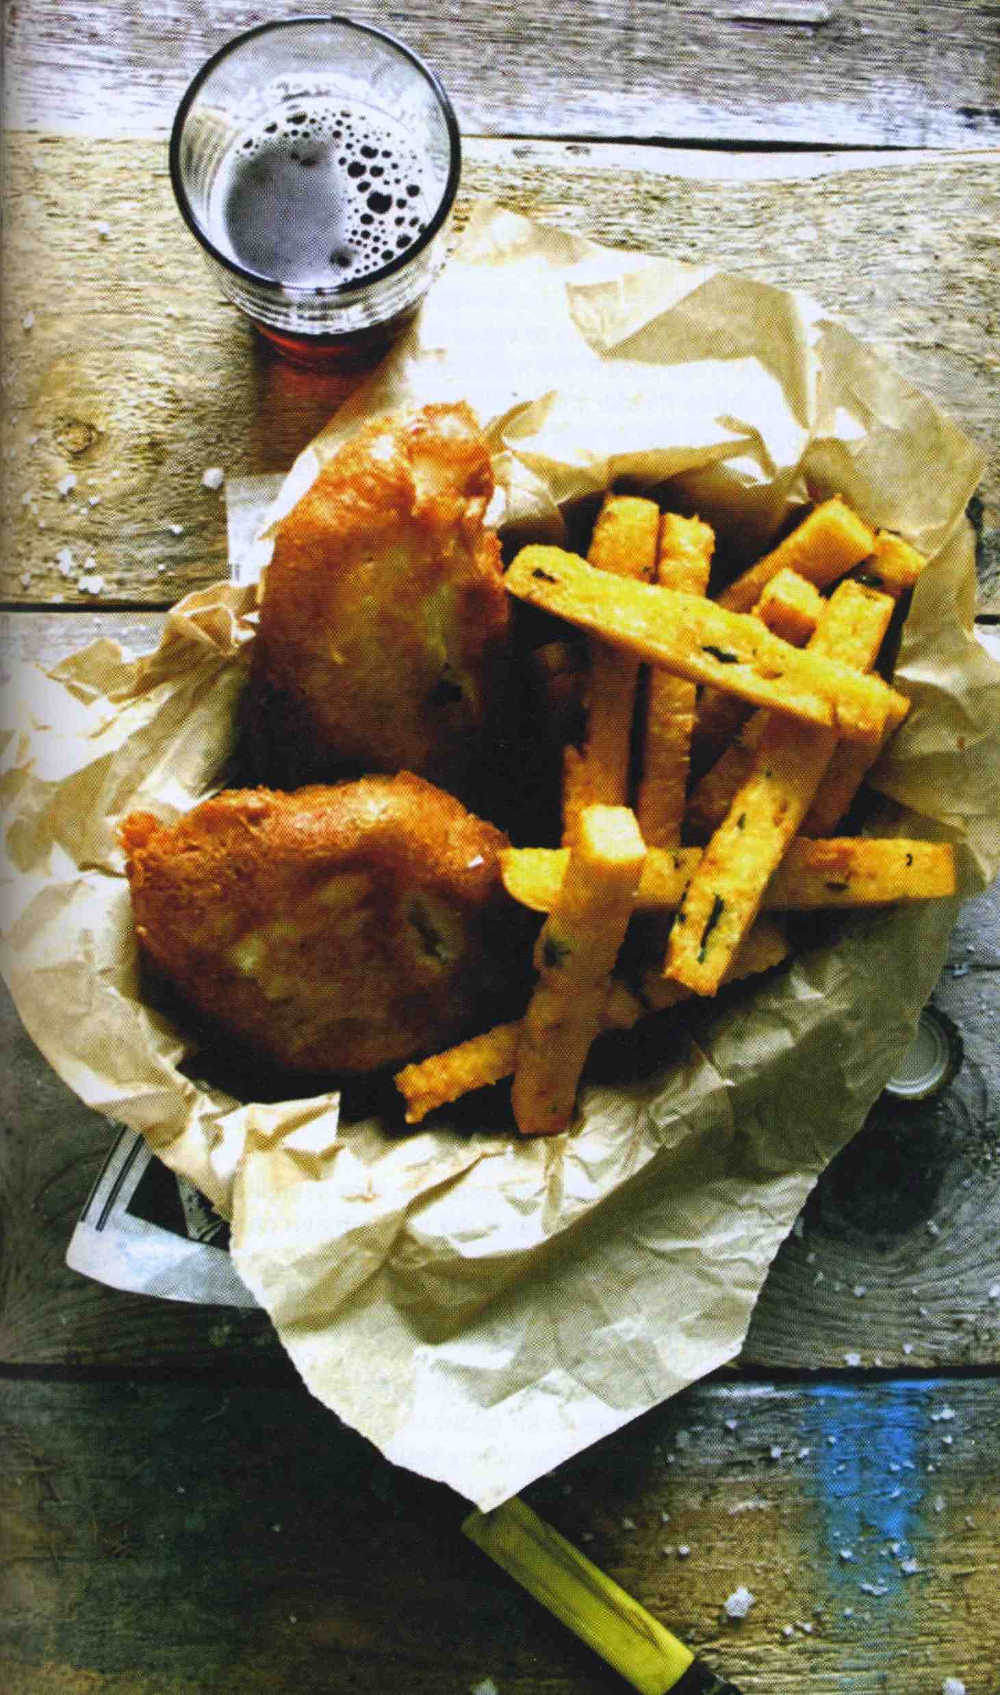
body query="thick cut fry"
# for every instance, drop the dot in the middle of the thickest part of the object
(623, 544)
(533, 876)
(725, 893)
(489, 1058)
(823, 547)
(841, 871)
(683, 561)
(712, 795)
(698, 639)
(790, 607)
(861, 871)
(850, 625)
(574, 955)
(893, 566)
(475, 1064)
(843, 777)
(763, 946)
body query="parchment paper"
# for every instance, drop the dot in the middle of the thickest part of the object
(480, 1306)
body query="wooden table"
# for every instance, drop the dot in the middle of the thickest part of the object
(178, 1515)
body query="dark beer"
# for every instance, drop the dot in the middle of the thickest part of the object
(316, 161)
(318, 197)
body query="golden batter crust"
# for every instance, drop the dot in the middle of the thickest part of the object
(338, 928)
(383, 618)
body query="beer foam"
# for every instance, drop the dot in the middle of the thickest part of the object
(316, 195)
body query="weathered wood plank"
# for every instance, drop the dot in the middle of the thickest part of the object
(899, 1248)
(135, 375)
(821, 72)
(166, 1539)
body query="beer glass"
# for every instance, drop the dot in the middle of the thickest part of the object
(316, 160)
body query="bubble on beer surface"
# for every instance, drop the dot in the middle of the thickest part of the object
(308, 196)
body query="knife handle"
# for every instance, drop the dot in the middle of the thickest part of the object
(590, 1603)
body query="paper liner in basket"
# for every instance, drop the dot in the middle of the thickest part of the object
(480, 1306)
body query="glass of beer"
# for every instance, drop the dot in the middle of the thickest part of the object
(316, 161)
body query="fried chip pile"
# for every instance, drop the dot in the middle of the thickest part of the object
(751, 719)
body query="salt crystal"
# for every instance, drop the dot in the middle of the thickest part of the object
(64, 561)
(788, 1630)
(25, 579)
(846, 1554)
(66, 483)
(731, 1424)
(664, 1518)
(859, 1290)
(93, 500)
(907, 1347)
(92, 584)
(738, 1604)
(103, 229)
(908, 1567)
(486, 1686)
(852, 1359)
(873, 1588)
(932, 1228)
(947, 1440)
(803, 1453)
(683, 1551)
(775, 1452)
(176, 529)
(214, 477)
(28, 320)
(804, 1626)
(848, 1612)
(993, 1292)
(943, 1414)
(953, 1686)
(938, 1503)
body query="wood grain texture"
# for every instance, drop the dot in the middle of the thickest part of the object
(198, 1539)
(819, 72)
(134, 375)
(909, 1213)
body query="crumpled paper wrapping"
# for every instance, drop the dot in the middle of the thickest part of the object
(479, 1306)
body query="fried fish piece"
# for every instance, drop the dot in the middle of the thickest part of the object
(383, 617)
(338, 928)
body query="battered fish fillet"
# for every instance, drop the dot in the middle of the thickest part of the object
(335, 929)
(383, 618)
